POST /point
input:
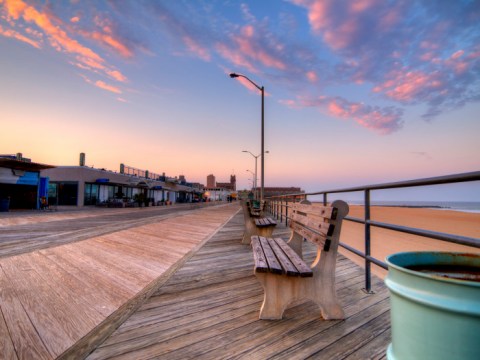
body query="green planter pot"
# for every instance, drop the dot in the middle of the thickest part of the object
(435, 305)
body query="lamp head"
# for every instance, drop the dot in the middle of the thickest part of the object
(233, 75)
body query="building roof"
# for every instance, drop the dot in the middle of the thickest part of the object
(22, 165)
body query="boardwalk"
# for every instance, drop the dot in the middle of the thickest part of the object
(22, 232)
(62, 300)
(66, 297)
(209, 310)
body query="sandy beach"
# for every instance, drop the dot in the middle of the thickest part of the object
(385, 242)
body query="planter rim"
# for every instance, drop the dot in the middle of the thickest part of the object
(433, 254)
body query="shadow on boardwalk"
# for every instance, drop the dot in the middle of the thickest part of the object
(209, 310)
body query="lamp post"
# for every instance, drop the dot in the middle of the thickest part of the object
(256, 158)
(254, 181)
(262, 166)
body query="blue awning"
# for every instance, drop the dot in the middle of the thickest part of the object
(102, 180)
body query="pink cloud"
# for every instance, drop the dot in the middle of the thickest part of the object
(15, 35)
(247, 84)
(409, 86)
(346, 26)
(381, 120)
(245, 49)
(15, 8)
(235, 57)
(317, 12)
(457, 54)
(58, 37)
(75, 19)
(311, 76)
(430, 84)
(248, 45)
(109, 39)
(86, 58)
(337, 22)
(196, 48)
(361, 5)
(117, 75)
(104, 86)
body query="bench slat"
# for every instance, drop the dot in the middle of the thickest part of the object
(303, 269)
(261, 264)
(319, 225)
(287, 265)
(273, 264)
(308, 234)
(263, 222)
(315, 209)
(272, 222)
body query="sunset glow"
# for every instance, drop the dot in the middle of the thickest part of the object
(146, 83)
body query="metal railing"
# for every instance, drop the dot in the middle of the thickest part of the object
(278, 206)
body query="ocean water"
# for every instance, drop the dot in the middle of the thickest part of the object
(464, 206)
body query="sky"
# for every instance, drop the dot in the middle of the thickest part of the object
(356, 92)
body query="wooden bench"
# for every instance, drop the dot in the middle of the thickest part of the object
(284, 275)
(256, 208)
(256, 225)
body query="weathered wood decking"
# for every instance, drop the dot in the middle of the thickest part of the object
(63, 301)
(209, 310)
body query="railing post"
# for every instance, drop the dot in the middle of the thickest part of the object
(368, 275)
(325, 199)
(281, 209)
(286, 212)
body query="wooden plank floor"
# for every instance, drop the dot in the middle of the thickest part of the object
(209, 310)
(61, 301)
(22, 232)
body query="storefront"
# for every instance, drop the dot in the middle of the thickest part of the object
(21, 186)
(85, 186)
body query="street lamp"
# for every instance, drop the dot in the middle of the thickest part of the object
(254, 182)
(256, 158)
(262, 90)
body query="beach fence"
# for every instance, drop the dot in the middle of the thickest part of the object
(279, 206)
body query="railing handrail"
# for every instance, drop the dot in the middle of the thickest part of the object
(447, 179)
(438, 180)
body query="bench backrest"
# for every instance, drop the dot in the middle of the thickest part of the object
(255, 207)
(317, 223)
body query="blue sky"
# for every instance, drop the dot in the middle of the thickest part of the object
(357, 92)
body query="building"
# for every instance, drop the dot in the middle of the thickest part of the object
(21, 185)
(232, 185)
(82, 186)
(277, 191)
(217, 191)
(211, 181)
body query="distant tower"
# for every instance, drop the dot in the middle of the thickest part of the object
(233, 182)
(211, 181)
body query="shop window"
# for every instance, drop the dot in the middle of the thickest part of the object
(91, 194)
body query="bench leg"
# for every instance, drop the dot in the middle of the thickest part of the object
(274, 300)
(265, 231)
(281, 290)
(324, 292)
(250, 230)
